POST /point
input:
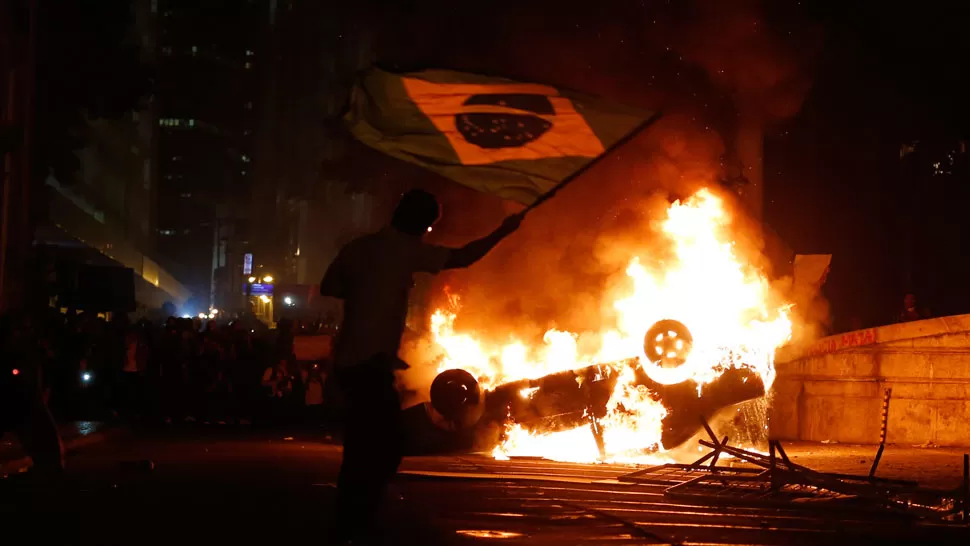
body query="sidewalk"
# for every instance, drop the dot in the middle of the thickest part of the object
(75, 435)
(931, 466)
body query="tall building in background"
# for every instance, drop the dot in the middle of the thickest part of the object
(307, 208)
(105, 215)
(208, 54)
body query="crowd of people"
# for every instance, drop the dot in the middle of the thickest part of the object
(183, 369)
(179, 370)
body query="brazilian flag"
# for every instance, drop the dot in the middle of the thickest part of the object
(515, 140)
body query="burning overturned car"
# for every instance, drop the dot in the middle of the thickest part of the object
(695, 332)
(580, 398)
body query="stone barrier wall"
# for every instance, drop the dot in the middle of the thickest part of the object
(834, 389)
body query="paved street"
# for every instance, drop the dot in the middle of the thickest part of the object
(246, 487)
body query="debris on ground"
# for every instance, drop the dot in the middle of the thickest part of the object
(774, 480)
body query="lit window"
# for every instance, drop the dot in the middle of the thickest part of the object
(249, 53)
(249, 105)
(243, 173)
(245, 158)
(195, 50)
(185, 195)
(191, 123)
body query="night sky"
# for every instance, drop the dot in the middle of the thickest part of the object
(834, 179)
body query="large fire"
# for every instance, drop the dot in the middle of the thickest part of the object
(728, 306)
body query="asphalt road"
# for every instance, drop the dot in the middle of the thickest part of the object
(248, 487)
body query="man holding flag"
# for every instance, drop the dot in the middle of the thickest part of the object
(373, 275)
(518, 141)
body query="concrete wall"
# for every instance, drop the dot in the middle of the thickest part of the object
(833, 390)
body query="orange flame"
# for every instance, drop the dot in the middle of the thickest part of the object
(728, 306)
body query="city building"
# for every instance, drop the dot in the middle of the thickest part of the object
(207, 89)
(307, 201)
(104, 215)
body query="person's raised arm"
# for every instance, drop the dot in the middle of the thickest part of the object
(476, 250)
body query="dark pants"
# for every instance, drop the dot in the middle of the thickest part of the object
(131, 394)
(373, 442)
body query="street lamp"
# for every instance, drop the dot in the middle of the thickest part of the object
(268, 279)
(264, 298)
(288, 300)
(251, 280)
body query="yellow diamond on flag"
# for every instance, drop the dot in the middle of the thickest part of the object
(502, 122)
(515, 140)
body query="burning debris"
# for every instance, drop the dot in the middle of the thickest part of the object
(695, 330)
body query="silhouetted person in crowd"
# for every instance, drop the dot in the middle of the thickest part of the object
(133, 372)
(911, 310)
(373, 275)
(22, 406)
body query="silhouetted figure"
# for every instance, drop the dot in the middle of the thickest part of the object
(911, 310)
(22, 406)
(373, 275)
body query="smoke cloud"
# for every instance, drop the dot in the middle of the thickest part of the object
(763, 58)
(552, 273)
(556, 271)
(699, 62)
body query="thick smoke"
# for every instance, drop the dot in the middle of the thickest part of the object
(556, 271)
(553, 272)
(699, 62)
(763, 58)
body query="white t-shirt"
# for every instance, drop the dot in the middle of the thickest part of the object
(373, 275)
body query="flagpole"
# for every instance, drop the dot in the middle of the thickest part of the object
(613, 147)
